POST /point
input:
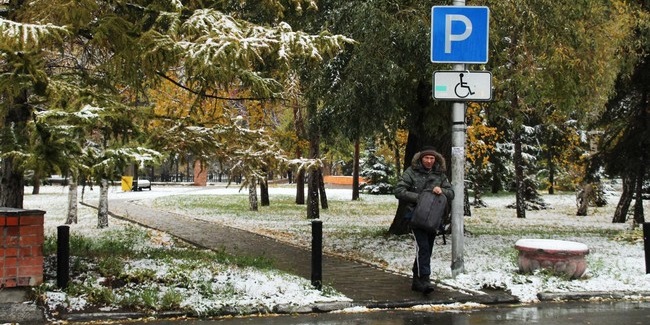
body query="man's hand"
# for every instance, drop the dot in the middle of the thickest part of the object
(437, 190)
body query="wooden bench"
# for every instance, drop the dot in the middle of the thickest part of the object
(559, 256)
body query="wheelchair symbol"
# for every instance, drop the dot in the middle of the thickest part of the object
(465, 90)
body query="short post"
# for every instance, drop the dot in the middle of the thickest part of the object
(646, 245)
(317, 254)
(63, 256)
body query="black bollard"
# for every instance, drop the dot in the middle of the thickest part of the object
(646, 245)
(317, 254)
(63, 256)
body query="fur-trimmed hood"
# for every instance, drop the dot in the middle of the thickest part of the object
(440, 164)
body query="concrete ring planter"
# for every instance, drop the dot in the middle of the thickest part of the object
(562, 257)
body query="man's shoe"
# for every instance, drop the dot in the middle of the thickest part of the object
(415, 285)
(427, 286)
(422, 284)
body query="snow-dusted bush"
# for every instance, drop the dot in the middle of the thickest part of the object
(377, 172)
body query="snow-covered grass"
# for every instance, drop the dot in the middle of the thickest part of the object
(357, 229)
(127, 267)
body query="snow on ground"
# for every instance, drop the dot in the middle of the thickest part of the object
(246, 289)
(489, 257)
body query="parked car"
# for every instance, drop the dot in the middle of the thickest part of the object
(56, 179)
(141, 184)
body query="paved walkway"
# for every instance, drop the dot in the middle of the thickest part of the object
(364, 284)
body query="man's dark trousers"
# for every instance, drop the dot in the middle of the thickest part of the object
(424, 241)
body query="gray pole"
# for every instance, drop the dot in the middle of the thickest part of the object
(458, 177)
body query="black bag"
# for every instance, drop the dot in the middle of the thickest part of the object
(429, 211)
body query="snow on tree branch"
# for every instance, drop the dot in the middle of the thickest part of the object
(213, 36)
(306, 164)
(28, 34)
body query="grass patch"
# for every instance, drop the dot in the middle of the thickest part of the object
(107, 271)
(360, 232)
(122, 242)
(543, 232)
(280, 205)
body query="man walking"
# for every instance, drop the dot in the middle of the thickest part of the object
(426, 173)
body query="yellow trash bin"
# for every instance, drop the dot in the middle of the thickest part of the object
(127, 183)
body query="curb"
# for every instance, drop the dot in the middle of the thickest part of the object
(29, 313)
(21, 313)
(586, 295)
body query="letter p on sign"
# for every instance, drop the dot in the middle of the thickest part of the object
(459, 34)
(450, 36)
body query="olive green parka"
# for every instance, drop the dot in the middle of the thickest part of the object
(416, 178)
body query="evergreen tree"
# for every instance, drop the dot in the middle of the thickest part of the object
(62, 55)
(376, 171)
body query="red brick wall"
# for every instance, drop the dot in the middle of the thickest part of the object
(21, 247)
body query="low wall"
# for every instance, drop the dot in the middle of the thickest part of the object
(21, 247)
(341, 180)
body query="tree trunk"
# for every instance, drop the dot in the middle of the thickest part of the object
(623, 206)
(264, 192)
(495, 181)
(102, 211)
(313, 211)
(551, 174)
(301, 133)
(638, 201)
(12, 185)
(252, 194)
(399, 226)
(582, 199)
(398, 170)
(520, 203)
(321, 191)
(300, 187)
(478, 194)
(72, 203)
(36, 180)
(355, 171)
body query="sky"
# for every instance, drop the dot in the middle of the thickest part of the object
(490, 259)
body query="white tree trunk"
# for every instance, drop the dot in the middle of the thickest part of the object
(102, 212)
(72, 203)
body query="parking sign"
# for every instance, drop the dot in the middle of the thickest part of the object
(461, 86)
(459, 34)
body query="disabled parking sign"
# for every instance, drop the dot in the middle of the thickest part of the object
(459, 34)
(462, 85)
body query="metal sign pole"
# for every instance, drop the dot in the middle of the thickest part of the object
(458, 177)
(459, 35)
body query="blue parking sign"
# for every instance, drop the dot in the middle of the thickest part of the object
(459, 34)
